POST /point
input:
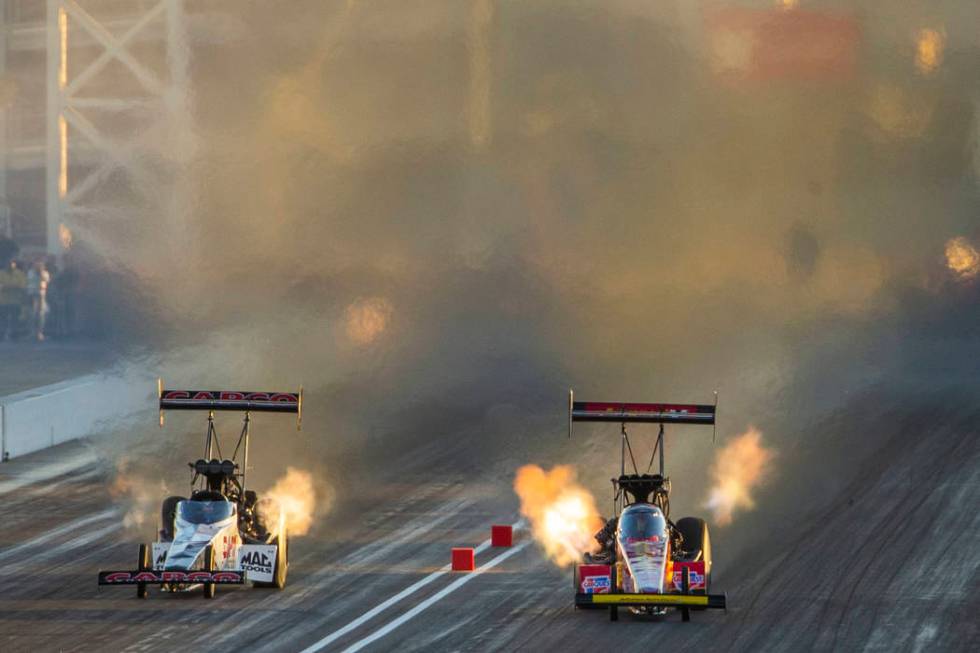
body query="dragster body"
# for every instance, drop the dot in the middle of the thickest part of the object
(647, 563)
(222, 534)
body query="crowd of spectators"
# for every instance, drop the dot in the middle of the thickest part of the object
(37, 300)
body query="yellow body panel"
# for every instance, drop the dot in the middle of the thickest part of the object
(670, 599)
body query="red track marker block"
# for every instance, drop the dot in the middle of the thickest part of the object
(464, 559)
(501, 535)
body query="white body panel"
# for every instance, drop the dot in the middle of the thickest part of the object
(258, 561)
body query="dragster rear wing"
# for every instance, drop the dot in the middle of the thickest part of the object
(621, 412)
(247, 401)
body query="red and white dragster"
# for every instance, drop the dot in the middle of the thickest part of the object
(223, 534)
(647, 563)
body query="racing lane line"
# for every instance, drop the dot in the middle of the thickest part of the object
(405, 593)
(378, 634)
(46, 472)
(56, 532)
(54, 486)
(406, 535)
(66, 547)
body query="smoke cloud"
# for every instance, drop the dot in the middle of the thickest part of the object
(739, 468)
(432, 213)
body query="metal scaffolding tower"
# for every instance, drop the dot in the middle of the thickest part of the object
(74, 114)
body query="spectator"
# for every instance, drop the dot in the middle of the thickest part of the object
(13, 283)
(37, 291)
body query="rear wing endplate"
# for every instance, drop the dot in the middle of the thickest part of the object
(238, 400)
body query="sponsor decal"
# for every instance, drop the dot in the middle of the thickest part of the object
(697, 580)
(696, 576)
(230, 543)
(131, 577)
(644, 408)
(208, 395)
(160, 550)
(596, 584)
(258, 561)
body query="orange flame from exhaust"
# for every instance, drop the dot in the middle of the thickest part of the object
(563, 514)
(738, 469)
(295, 496)
(962, 258)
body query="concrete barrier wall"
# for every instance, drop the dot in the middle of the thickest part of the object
(52, 414)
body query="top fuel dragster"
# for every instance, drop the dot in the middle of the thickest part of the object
(223, 534)
(648, 562)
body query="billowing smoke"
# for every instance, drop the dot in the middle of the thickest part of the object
(293, 501)
(437, 215)
(139, 500)
(739, 468)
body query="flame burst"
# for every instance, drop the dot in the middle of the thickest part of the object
(563, 514)
(738, 468)
(962, 258)
(295, 498)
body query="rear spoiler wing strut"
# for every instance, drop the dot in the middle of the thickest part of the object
(623, 413)
(238, 400)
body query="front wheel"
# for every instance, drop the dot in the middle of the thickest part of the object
(697, 544)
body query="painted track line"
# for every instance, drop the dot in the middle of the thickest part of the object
(57, 532)
(392, 625)
(71, 545)
(44, 472)
(320, 579)
(405, 593)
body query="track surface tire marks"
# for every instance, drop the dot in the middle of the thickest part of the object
(885, 561)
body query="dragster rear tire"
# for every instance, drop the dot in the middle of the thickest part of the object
(143, 565)
(698, 543)
(613, 613)
(282, 561)
(209, 588)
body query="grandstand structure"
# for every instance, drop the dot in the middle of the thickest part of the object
(87, 91)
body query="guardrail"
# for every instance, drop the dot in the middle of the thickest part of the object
(43, 417)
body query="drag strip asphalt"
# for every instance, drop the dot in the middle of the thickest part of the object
(407, 593)
(887, 561)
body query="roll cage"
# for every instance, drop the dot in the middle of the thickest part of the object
(641, 487)
(215, 477)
